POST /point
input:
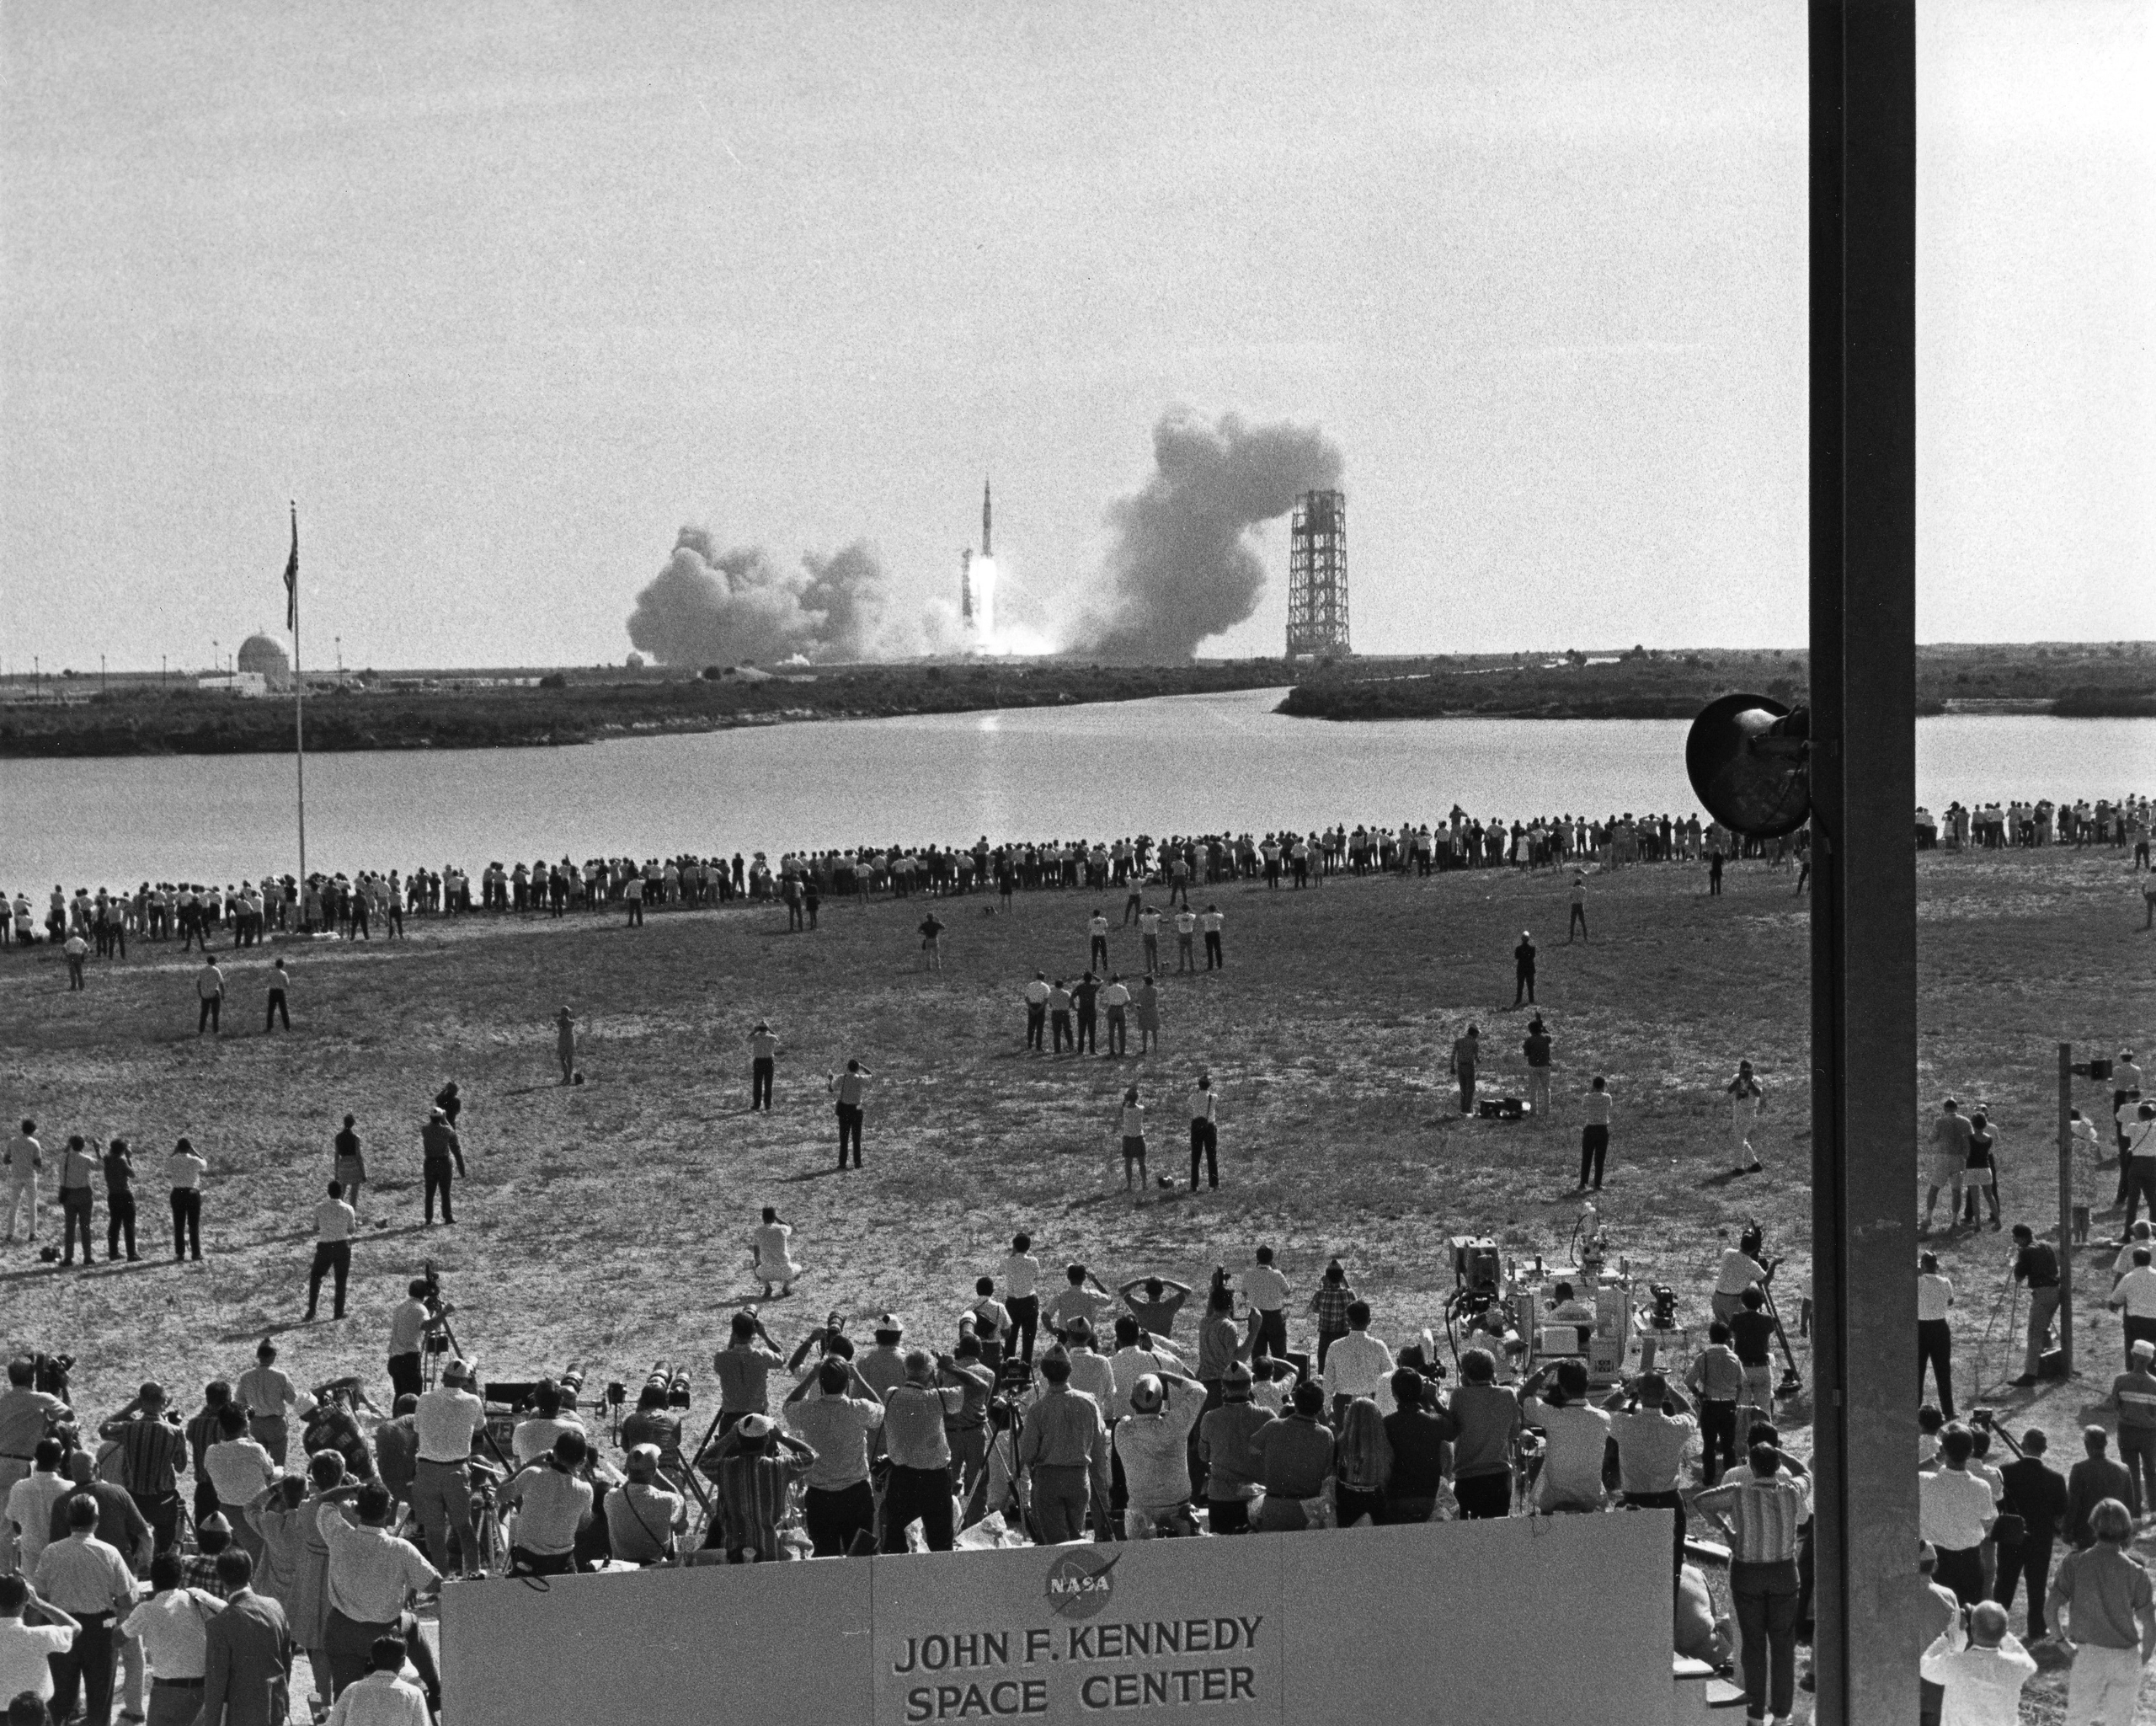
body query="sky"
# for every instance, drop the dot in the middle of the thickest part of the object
(506, 296)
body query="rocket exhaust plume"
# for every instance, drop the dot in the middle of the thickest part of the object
(709, 607)
(1182, 568)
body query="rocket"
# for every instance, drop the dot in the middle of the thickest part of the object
(987, 541)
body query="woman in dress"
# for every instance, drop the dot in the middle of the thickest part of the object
(1149, 1017)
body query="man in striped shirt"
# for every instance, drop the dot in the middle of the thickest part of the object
(152, 1450)
(1763, 1513)
(757, 1464)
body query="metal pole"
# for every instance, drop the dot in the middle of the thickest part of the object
(2065, 1207)
(298, 696)
(1863, 765)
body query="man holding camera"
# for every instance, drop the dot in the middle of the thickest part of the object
(835, 1410)
(152, 1451)
(553, 1505)
(1065, 1445)
(1654, 1427)
(410, 1328)
(644, 1521)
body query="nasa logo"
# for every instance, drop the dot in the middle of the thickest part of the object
(1079, 1582)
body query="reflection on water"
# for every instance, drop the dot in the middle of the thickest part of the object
(1188, 763)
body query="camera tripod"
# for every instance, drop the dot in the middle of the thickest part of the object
(1792, 1380)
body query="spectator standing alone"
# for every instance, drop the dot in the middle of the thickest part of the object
(349, 1166)
(763, 1066)
(565, 1025)
(186, 1169)
(1204, 1134)
(209, 992)
(1577, 922)
(1536, 1049)
(1746, 1100)
(280, 980)
(25, 1157)
(851, 1088)
(1935, 1336)
(1594, 1135)
(441, 1154)
(78, 1167)
(2036, 1262)
(1466, 1052)
(334, 1222)
(1523, 969)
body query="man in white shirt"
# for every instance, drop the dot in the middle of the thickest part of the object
(26, 1648)
(1130, 1362)
(2137, 1145)
(1575, 1437)
(1097, 928)
(209, 991)
(1021, 1276)
(373, 1576)
(170, 1629)
(237, 1467)
(333, 1223)
(2136, 1295)
(1036, 994)
(1955, 1512)
(29, 1504)
(1115, 999)
(1981, 1671)
(24, 1156)
(1738, 1272)
(382, 1697)
(265, 1393)
(1186, 930)
(1208, 925)
(443, 1424)
(1357, 1364)
(1267, 1291)
(1148, 935)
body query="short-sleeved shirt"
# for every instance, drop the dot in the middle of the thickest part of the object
(1265, 1288)
(334, 1220)
(24, 1648)
(186, 1169)
(836, 1429)
(1487, 1416)
(2104, 1590)
(1935, 1294)
(551, 1507)
(407, 1327)
(443, 1423)
(1022, 1275)
(1294, 1455)
(372, 1571)
(238, 1468)
(172, 1628)
(743, 1373)
(1651, 1448)
(913, 1424)
(2136, 1292)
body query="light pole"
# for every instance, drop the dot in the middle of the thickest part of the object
(217, 657)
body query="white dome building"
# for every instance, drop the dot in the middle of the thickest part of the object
(260, 654)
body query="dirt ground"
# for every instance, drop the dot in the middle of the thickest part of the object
(609, 1223)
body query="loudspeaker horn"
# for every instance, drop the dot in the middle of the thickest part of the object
(1746, 757)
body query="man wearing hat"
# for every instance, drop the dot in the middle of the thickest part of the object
(644, 1520)
(1152, 1441)
(1232, 1469)
(439, 1142)
(1064, 1447)
(444, 1421)
(2133, 1394)
(756, 1462)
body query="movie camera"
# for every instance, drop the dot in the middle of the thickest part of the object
(1987, 1418)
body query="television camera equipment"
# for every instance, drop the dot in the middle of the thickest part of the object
(1987, 1418)
(1753, 1243)
(439, 1339)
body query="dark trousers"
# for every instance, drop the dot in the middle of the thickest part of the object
(2137, 1456)
(187, 1222)
(348, 1647)
(1100, 958)
(119, 1220)
(1935, 1349)
(834, 1518)
(2141, 1184)
(1060, 1024)
(404, 1376)
(1205, 1143)
(1522, 986)
(1272, 1326)
(2031, 1558)
(636, 913)
(1119, 1027)
(1025, 1311)
(849, 1132)
(1578, 922)
(76, 1205)
(1062, 1494)
(437, 1172)
(1484, 1497)
(1467, 1090)
(276, 1010)
(328, 1256)
(1036, 1025)
(760, 1083)
(207, 1019)
(1228, 1515)
(87, 1666)
(162, 1512)
(1766, 1599)
(1594, 1147)
(1717, 1437)
(925, 1492)
(1213, 962)
(1962, 1568)
(1088, 1034)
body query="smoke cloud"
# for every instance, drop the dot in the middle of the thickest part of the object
(735, 607)
(1182, 568)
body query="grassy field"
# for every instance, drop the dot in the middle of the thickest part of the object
(609, 1222)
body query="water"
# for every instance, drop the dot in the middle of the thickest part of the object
(1183, 764)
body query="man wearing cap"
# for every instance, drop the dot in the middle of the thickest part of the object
(1232, 1469)
(919, 1480)
(2036, 1262)
(755, 1464)
(1152, 1442)
(2133, 1394)
(152, 1451)
(442, 1151)
(1948, 1160)
(444, 1421)
(1064, 1447)
(644, 1520)
(835, 1411)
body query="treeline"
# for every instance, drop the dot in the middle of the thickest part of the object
(2071, 680)
(146, 719)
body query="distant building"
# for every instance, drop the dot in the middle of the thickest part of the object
(263, 657)
(249, 685)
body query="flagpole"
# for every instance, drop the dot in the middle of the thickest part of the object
(298, 696)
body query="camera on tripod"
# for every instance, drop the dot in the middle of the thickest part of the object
(1475, 1267)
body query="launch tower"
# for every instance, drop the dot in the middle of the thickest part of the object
(1317, 575)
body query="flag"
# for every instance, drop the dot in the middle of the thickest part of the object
(292, 576)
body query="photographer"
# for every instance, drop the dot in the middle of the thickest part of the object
(745, 1367)
(535, 1435)
(444, 1421)
(1421, 1432)
(1980, 1667)
(919, 1480)
(755, 1464)
(835, 1410)
(1653, 1426)
(2036, 1262)
(553, 1504)
(644, 1521)
(410, 1325)
(372, 1578)
(1152, 1442)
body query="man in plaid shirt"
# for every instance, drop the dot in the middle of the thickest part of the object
(213, 1534)
(1331, 1303)
(756, 1464)
(152, 1450)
